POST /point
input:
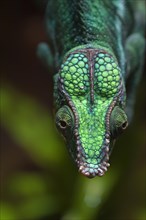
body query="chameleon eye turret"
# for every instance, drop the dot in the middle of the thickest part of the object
(96, 58)
(118, 122)
(65, 121)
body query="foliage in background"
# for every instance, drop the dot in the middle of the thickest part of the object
(56, 191)
(52, 190)
(38, 178)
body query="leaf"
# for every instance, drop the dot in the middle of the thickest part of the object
(31, 126)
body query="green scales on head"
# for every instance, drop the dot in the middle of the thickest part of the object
(101, 53)
(90, 104)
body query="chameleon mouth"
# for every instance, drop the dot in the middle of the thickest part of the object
(91, 170)
(98, 170)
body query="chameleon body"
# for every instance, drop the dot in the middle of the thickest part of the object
(95, 53)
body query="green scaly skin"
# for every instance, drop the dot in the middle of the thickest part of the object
(89, 90)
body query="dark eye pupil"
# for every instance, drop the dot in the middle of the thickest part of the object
(62, 124)
(124, 125)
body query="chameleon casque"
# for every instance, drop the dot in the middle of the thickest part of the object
(97, 55)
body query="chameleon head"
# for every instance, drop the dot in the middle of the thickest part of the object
(90, 98)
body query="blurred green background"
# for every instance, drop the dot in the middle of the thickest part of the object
(38, 179)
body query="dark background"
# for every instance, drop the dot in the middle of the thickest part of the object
(38, 179)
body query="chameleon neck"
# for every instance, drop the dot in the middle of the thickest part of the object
(94, 22)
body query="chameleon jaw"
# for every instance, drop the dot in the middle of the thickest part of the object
(99, 169)
(91, 170)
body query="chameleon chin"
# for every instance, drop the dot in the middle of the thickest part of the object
(97, 57)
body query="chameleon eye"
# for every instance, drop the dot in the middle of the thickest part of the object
(64, 119)
(118, 122)
(62, 124)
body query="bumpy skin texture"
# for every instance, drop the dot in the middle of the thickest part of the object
(91, 83)
(91, 58)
